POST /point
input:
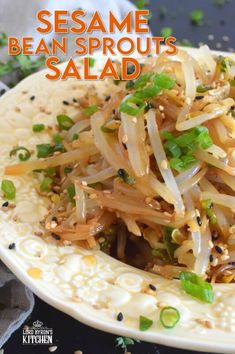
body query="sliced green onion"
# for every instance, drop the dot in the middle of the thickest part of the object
(144, 323)
(183, 163)
(125, 176)
(44, 150)
(57, 138)
(207, 205)
(75, 136)
(164, 81)
(50, 171)
(105, 129)
(172, 148)
(22, 156)
(37, 128)
(45, 186)
(132, 106)
(64, 122)
(8, 189)
(197, 287)
(170, 246)
(203, 88)
(169, 317)
(68, 170)
(90, 110)
(71, 193)
(91, 62)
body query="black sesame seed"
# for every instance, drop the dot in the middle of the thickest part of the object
(56, 237)
(74, 100)
(5, 205)
(12, 246)
(32, 98)
(54, 218)
(232, 263)
(124, 145)
(2, 92)
(148, 107)
(211, 258)
(121, 173)
(199, 221)
(66, 103)
(120, 317)
(199, 97)
(218, 249)
(114, 111)
(152, 287)
(107, 98)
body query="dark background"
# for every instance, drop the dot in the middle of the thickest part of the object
(70, 335)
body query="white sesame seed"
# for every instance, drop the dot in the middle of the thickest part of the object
(215, 262)
(67, 243)
(125, 139)
(53, 224)
(148, 200)
(163, 115)
(218, 45)
(211, 245)
(134, 120)
(93, 196)
(84, 183)
(161, 108)
(226, 38)
(52, 349)
(211, 37)
(188, 100)
(232, 229)
(164, 165)
(224, 257)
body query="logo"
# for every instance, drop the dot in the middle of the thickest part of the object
(37, 334)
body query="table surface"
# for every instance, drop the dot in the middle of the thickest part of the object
(70, 335)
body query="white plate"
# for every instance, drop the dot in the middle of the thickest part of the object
(88, 285)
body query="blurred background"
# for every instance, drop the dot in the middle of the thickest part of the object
(192, 23)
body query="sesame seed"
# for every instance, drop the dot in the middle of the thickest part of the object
(211, 37)
(74, 100)
(120, 317)
(134, 120)
(199, 97)
(67, 243)
(53, 224)
(125, 139)
(5, 205)
(93, 196)
(53, 348)
(199, 221)
(224, 257)
(210, 243)
(148, 200)
(107, 98)
(84, 183)
(55, 236)
(232, 229)
(188, 100)
(161, 108)
(66, 103)
(152, 287)
(211, 257)
(11, 246)
(218, 249)
(164, 165)
(32, 98)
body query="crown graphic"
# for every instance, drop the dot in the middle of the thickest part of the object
(37, 324)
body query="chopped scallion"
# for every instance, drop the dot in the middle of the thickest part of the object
(169, 317)
(144, 323)
(37, 128)
(22, 156)
(197, 287)
(8, 189)
(64, 122)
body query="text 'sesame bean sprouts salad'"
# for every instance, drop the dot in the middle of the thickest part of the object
(147, 174)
